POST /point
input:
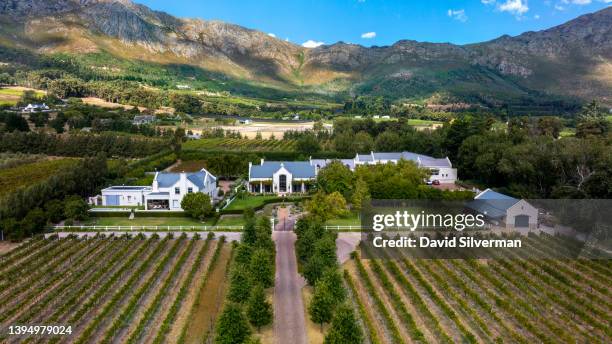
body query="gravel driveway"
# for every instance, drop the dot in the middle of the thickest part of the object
(289, 322)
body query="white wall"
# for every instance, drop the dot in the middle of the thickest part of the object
(522, 208)
(445, 175)
(130, 198)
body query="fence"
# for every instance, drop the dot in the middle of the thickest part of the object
(148, 228)
(345, 228)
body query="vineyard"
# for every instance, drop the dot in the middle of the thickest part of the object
(241, 145)
(483, 301)
(116, 289)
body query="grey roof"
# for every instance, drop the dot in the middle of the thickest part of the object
(492, 204)
(350, 163)
(419, 159)
(166, 180)
(365, 157)
(127, 188)
(299, 169)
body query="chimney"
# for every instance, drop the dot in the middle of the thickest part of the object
(262, 161)
(155, 183)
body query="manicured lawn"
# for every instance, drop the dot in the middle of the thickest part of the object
(567, 132)
(231, 220)
(423, 122)
(248, 202)
(146, 221)
(351, 220)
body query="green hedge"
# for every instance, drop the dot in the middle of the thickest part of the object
(289, 156)
(139, 214)
(265, 202)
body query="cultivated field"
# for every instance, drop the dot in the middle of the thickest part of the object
(240, 145)
(484, 301)
(11, 95)
(19, 174)
(115, 290)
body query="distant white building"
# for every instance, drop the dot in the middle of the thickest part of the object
(36, 108)
(166, 193)
(144, 119)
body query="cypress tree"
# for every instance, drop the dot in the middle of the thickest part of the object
(259, 310)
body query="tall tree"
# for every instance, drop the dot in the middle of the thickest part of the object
(321, 307)
(344, 328)
(259, 310)
(232, 326)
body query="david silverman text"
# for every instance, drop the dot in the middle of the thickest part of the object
(425, 242)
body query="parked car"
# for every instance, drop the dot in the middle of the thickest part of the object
(435, 182)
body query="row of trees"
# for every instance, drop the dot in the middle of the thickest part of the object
(27, 210)
(82, 144)
(252, 272)
(316, 251)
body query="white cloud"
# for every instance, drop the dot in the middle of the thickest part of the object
(487, 2)
(272, 35)
(368, 35)
(516, 7)
(312, 44)
(537, 16)
(577, 2)
(458, 15)
(559, 7)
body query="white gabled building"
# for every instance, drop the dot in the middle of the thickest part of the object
(284, 177)
(166, 193)
(505, 211)
(441, 169)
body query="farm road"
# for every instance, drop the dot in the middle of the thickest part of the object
(289, 321)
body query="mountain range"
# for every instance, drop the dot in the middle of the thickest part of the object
(572, 60)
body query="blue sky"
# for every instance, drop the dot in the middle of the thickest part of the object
(379, 22)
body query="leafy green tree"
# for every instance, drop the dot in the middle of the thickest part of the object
(259, 310)
(388, 141)
(197, 205)
(262, 268)
(240, 284)
(322, 304)
(39, 119)
(592, 122)
(360, 195)
(308, 143)
(363, 142)
(14, 122)
(249, 233)
(344, 327)
(34, 222)
(75, 208)
(232, 326)
(335, 177)
(325, 207)
(54, 210)
(333, 279)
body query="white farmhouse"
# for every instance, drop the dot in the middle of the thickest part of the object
(284, 177)
(281, 177)
(505, 211)
(166, 193)
(441, 169)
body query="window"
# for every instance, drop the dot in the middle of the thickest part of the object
(189, 190)
(282, 183)
(175, 203)
(177, 191)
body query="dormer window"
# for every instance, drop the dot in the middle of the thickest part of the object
(177, 191)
